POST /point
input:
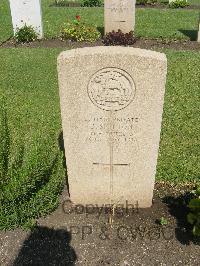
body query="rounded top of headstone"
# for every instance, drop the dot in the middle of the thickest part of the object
(111, 50)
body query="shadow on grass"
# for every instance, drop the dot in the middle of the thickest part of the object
(101, 30)
(62, 148)
(43, 177)
(46, 246)
(178, 208)
(192, 34)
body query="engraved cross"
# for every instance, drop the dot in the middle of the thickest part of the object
(111, 163)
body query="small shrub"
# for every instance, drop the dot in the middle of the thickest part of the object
(26, 34)
(141, 2)
(152, 2)
(79, 31)
(92, 3)
(163, 221)
(178, 4)
(119, 38)
(194, 215)
(67, 3)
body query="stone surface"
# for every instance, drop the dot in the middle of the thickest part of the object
(111, 106)
(170, 1)
(26, 12)
(119, 14)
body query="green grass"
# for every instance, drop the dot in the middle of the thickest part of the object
(166, 24)
(5, 21)
(152, 23)
(180, 141)
(194, 2)
(33, 174)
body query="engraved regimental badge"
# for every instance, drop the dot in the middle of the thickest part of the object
(111, 89)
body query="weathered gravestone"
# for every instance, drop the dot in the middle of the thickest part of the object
(26, 12)
(111, 105)
(170, 1)
(119, 14)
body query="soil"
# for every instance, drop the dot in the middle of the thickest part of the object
(165, 6)
(155, 5)
(152, 44)
(82, 236)
(66, 4)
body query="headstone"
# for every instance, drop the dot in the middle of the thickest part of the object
(170, 1)
(119, 14)
(111, 105)
(198, 37)
(26, 12)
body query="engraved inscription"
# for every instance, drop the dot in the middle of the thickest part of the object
(119, 6)
(111, 89)
(122, 130)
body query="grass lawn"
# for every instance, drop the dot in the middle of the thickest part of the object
(34, 172)
(153, 23)
(180, 141)
(194, 2)
(29, 83)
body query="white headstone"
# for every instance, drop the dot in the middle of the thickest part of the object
(26, 12)
(119, 15)
(111, 103)
(170, 1)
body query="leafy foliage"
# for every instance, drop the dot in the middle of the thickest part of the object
(178, 4)
(26, 34)
(163, 221)
(119, 38)
(29, 186)
(92, 3)
(79, 31)
(154, 2)
(194, 215)
(141, 2)
(68, 3)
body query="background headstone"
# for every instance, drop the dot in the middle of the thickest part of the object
(26, 12)
(198, 37)
(111, 105)
(170, 1)
(119, 14)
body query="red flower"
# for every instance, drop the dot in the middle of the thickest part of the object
(78, 17)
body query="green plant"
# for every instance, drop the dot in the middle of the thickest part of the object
(29, 184)
(178, 4)
(92, 3)
(26, 34)
(119, 38)
(141, 2)
(193, 216)
(152, 2)
(79, 31)
(163, 221)
(68, 3)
